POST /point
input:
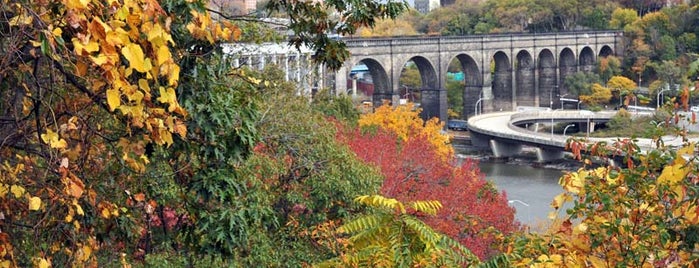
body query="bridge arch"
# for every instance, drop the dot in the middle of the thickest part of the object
(383, 89)
(473, 85)
(502, 83)
(606, 51)
(547, 78)
(495, 63)
(429, 89)
(587, 60)
(524, 79)
(567, 67)
(428, 75)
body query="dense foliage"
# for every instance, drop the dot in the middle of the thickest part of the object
(414, 167)
(643, 214)
(391, 236)
(126, 137)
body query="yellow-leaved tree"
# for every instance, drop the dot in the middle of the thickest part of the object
(87, 88)
(405, 121)
(600, 95)
(642, 214)
(622, 87)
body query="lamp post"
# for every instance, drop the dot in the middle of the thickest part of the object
(551, 99)
(478, 102)
(551, 124)
(524, 204)
(566, 128)
(657, 97)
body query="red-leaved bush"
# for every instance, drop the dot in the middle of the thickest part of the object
(474, 212)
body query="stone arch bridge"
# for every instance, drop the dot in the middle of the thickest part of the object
(502, 71)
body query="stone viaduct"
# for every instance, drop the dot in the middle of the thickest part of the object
(502, 71)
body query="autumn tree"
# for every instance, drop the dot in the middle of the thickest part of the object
(622, 17)
(599, 95)
(111, 119)
(388, 27)
(641, 214)
(88, 88)
(622, 87)
(608, 67)
(415, 168)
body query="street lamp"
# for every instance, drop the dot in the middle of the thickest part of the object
(657, 97)
(524, 204)
(551, 96)
(552, 124)
(478, 102)
(566, 128)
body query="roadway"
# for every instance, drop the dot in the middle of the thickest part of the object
(502, 126)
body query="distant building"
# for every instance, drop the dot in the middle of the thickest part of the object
(425, 6)
(446, 2)
(233, 7)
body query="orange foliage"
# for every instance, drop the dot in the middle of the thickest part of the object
(405, 122)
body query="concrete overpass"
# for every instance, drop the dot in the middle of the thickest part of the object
(502, 134)
(502, 71)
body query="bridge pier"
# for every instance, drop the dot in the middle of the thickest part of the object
(479, 141)
(547, 155)
(504, 149)
(434, 104)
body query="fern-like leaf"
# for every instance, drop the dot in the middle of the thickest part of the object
(430, 207)
(380, 201)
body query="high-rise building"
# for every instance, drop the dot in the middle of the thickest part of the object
(424, 6)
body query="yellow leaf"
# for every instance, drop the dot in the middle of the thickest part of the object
(597, 262)
(87, 250)
(559, 200)
(685, 151)
(163, 55)
(134, 54)
(85, 48)
(168, 96)
(78, 208)
(105, 213)
(52, 139)
(77, 4)
(3, 189)
(57, 32)
(113, 99)
(174, 72)
(34, 203)
(21, 19)
(5, 264)
(17, 190)
(100, 59)
(157, 36)
(166, 137)
(673, 173)
(69, 217)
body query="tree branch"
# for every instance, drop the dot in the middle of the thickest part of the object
(73, 79)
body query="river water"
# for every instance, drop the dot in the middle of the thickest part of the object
(530, 188)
